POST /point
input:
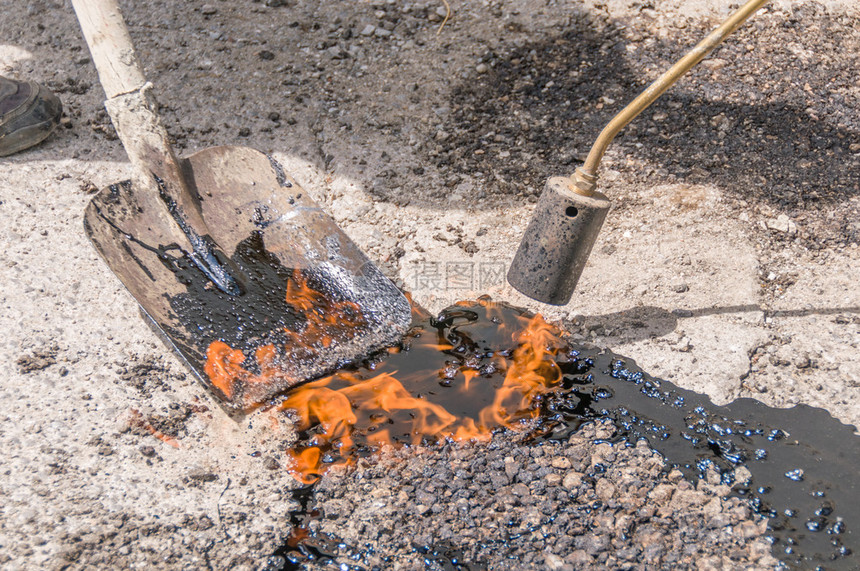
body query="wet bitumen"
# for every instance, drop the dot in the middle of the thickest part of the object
(803, 463)
(212, 307)
(245, 321)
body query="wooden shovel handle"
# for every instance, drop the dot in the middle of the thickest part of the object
(131, 105)
(110, 45)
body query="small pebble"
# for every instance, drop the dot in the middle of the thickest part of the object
(572, 480)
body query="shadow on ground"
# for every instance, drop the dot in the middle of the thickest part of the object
(771, 121)
(647, 321)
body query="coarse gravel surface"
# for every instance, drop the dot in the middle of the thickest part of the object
(573, 505)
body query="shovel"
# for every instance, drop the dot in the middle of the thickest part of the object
(246, 277)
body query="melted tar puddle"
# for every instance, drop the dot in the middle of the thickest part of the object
(801, 464)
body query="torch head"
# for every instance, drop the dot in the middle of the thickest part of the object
(557, 241)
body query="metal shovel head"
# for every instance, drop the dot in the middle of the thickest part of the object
(310, 299)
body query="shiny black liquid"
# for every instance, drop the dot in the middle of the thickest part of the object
(805, 464)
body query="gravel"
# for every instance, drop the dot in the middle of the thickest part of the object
(585, 503)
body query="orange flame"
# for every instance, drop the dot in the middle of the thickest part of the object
(341, 415)
(324, 321)
(223, 366)
(380, 410)
(532, 373)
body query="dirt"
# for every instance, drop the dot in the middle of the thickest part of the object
(38, 360)
(147, 375)
(728, 263)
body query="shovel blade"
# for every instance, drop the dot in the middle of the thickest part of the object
(310, 302)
